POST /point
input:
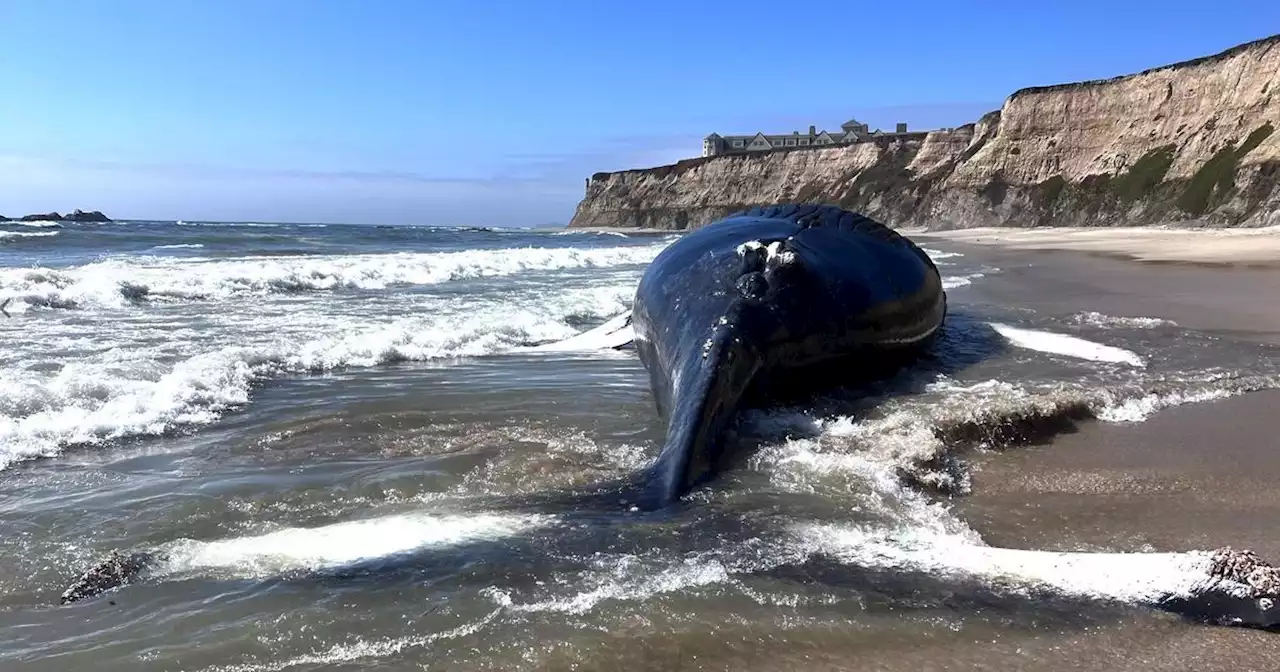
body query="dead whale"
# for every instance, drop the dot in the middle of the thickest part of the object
(769, 304)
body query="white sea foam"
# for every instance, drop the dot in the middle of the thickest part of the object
(113, 283)
(1068, 346)
(571, 232)
(44, 224)
(361, 649)
(1140, 408)
(626, 577)
(937, 255)
(144, 379)
(956, 281)
(180, 246)
(27, 234)
(1099, 320)
(339, 545)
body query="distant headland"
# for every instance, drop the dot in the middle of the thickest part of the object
(74, 216)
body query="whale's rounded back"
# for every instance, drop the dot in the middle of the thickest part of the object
(771, 302)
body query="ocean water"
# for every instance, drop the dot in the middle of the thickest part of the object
(342, 446)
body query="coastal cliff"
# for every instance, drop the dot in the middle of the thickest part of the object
(1192, 142)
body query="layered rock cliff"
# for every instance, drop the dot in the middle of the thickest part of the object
(1191, 142)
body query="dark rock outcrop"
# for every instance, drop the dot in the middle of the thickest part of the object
(73, 216)
(46, 217)
(91, 216)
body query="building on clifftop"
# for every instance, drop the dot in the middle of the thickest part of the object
(850, 132)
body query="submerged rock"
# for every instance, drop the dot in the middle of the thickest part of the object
(113, 571)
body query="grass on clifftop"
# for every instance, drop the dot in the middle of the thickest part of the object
(1217, 177)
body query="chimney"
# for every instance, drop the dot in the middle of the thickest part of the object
(902, 128)
(813, 130)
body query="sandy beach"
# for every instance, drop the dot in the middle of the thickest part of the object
(1231, 247)
(1196, 476)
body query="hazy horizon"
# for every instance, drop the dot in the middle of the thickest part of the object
(452, 115)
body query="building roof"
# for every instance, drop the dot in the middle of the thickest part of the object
(713, 136)
(851, 122)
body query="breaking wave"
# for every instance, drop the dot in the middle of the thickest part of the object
(106, 398)
(6, 235)
(121, 282)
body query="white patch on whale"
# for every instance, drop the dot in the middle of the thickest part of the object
(1068, 346)
(774, 254)
(614, 333)
(1135, 578)
(340, 544)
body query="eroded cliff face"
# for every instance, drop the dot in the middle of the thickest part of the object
(1193, 142)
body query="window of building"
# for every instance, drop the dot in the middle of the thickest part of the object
(791, 142)
(804, 141)
(737, 143)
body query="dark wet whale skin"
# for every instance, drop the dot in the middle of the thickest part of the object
(718, 326)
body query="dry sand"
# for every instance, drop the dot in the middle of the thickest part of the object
(1237, 247)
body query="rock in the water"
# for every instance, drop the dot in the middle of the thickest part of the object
(46, 217)
(91, 216)
(113, 571)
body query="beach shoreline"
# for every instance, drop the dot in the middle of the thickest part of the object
(1195, 476)
(1238, 247)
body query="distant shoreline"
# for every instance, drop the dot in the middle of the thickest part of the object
(73, 216)
(1258, 247)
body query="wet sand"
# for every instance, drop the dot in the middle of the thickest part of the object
(1232, 300)
(1197, 476)
(1232, 247)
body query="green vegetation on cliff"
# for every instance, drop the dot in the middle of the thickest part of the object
(1216, 179)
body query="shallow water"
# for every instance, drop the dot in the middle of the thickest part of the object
(346, 454)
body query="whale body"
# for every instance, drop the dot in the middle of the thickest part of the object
(772, 303)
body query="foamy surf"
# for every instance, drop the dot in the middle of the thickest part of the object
(122, 283)
(938, 255)
(120, 393)
(27, 234)
(957, 281)
(1065, 345)
(1096, 319)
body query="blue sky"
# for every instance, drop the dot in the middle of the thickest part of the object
(493, 113)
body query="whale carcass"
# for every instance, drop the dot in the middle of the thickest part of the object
(775, 302)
